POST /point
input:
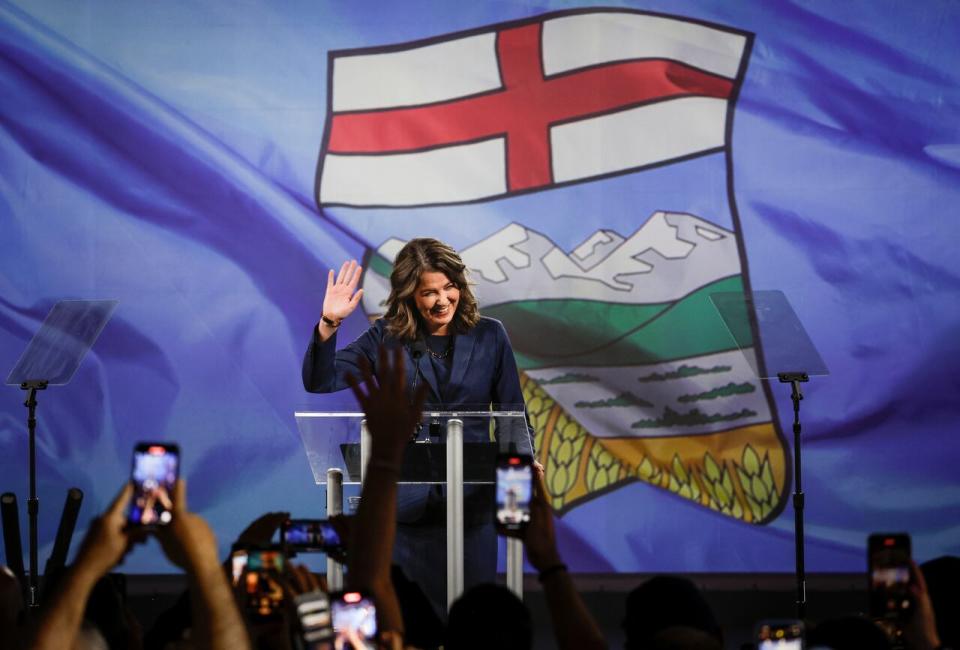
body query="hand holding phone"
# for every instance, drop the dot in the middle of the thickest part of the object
(260, 584)
(889, 562)
(154, 473)
(238, 564)
(514, 492)
(354, 617)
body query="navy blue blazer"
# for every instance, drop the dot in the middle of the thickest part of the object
(483, 372)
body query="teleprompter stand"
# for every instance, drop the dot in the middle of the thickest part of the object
(51, 358)
(766, 318)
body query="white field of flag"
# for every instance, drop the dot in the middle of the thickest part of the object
(467, 66)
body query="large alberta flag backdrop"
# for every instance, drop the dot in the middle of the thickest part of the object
(602, 168)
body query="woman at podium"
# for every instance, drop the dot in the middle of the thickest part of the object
(465, 360)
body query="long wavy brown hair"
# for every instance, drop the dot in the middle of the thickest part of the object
(421, 256)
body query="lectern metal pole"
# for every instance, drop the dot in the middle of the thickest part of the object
(334, 507)
(454, 510)
(364, 449)
(515, 566)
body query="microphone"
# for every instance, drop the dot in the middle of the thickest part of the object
(417, 349)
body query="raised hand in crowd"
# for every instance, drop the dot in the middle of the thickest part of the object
(106, 543)
(261, 530)
(920, 632)
(188, 542)
(275, 633)
(172, 625)
(390, 413)
(341, 297)
(390, 418)
(573, 626)
(301, 580)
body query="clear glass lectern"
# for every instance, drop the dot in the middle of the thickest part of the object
(452, 448)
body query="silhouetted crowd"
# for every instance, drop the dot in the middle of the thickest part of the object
(83, 606)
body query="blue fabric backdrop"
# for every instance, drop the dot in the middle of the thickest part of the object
(164, 154)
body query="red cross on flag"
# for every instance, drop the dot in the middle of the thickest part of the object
(525, 106)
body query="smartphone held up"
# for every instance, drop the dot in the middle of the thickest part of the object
(259, 582)
(354, 615)
(514, 486)
(154, 473)
(889, 572)
(310, 536)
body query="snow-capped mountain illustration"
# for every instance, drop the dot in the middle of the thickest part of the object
(669, 256)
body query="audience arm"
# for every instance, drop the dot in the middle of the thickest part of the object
(103, 547)
(189, 543)
(921, 630)
(573, 626)
(390, 419)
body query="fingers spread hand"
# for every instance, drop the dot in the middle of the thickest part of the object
(391, 416)
(356, 299)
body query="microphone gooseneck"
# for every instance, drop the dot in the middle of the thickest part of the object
(417, 350)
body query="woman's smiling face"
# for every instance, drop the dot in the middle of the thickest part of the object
(436, 300)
